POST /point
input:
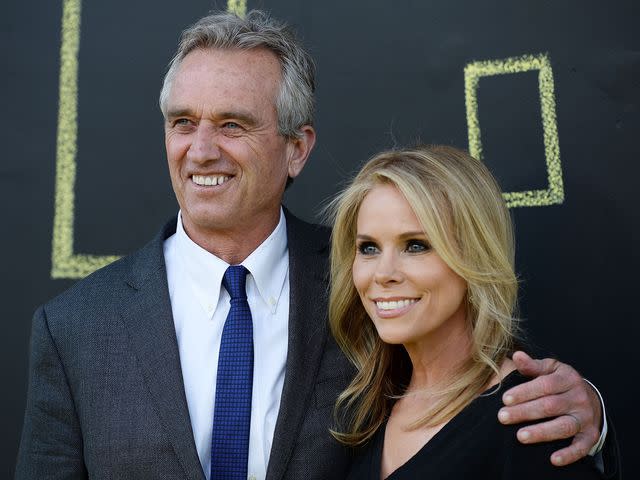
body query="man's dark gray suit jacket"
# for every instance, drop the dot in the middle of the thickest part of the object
(106, 397)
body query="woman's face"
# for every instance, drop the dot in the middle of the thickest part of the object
(411, 295)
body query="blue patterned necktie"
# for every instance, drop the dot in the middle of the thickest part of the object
(232, 411)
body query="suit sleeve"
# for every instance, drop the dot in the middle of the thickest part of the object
(51, 443)
(611, 453)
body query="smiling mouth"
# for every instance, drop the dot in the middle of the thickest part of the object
(394, 304)
(209, 180)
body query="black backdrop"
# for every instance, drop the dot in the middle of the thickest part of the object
(390, 72)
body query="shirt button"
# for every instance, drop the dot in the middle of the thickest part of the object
(272, 301)
(252, 477)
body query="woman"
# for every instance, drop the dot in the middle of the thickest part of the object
(422, 302)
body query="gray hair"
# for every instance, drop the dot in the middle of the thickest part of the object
(295, 102)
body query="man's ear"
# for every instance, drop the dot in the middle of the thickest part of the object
(299, 150)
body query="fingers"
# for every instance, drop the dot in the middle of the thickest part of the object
(565, 426)
(538, 409)
(559, 379)
(531, 367)
(578, 449)
(580, 423)
(559, 394)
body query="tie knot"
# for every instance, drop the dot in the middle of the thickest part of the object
(234, 280)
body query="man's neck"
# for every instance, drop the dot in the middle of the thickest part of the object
(236, 244)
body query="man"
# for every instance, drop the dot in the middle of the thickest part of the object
(126, 366)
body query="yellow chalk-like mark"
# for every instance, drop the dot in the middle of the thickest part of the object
(472, 74)
(239, 7)
(64, 262)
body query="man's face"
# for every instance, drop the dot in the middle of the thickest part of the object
(228, 164)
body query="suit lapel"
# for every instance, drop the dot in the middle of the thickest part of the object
(148, 320)
(307, 335)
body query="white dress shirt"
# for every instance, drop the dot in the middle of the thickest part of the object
(200, 306)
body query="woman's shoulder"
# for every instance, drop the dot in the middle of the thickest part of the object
(532, 460)
(507, 378)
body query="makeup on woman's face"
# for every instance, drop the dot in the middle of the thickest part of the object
(410, 293)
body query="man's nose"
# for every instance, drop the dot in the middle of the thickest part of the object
(204, 146)
(388, 268)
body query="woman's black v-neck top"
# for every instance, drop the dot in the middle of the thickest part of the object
(475, 445)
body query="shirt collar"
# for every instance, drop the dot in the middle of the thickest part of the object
(268, 265)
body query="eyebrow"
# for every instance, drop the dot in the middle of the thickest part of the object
(416, 233)
(179, 112)
(403, 236)
(244, 117)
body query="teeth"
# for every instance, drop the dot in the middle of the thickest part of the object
(209, 180)
(395, 304)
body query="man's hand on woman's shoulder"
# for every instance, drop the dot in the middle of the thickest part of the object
(557, 393)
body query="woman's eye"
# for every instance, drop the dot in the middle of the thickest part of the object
(417, 246)
(367, 248)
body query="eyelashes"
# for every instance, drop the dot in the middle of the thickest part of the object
(417, 246)
(367, 247)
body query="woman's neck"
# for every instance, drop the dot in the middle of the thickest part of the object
(435, 359)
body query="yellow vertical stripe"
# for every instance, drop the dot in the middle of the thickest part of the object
(239, 7)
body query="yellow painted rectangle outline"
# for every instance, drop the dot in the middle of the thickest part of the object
(239, 7)
(554, 194)
(64, 262)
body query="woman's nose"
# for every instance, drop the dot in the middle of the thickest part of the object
(388, 269)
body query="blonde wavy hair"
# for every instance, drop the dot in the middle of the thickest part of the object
(460, 206)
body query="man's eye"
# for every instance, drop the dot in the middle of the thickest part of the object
(181, 122)
(367, 248)
(417, 246)
(231, 125)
